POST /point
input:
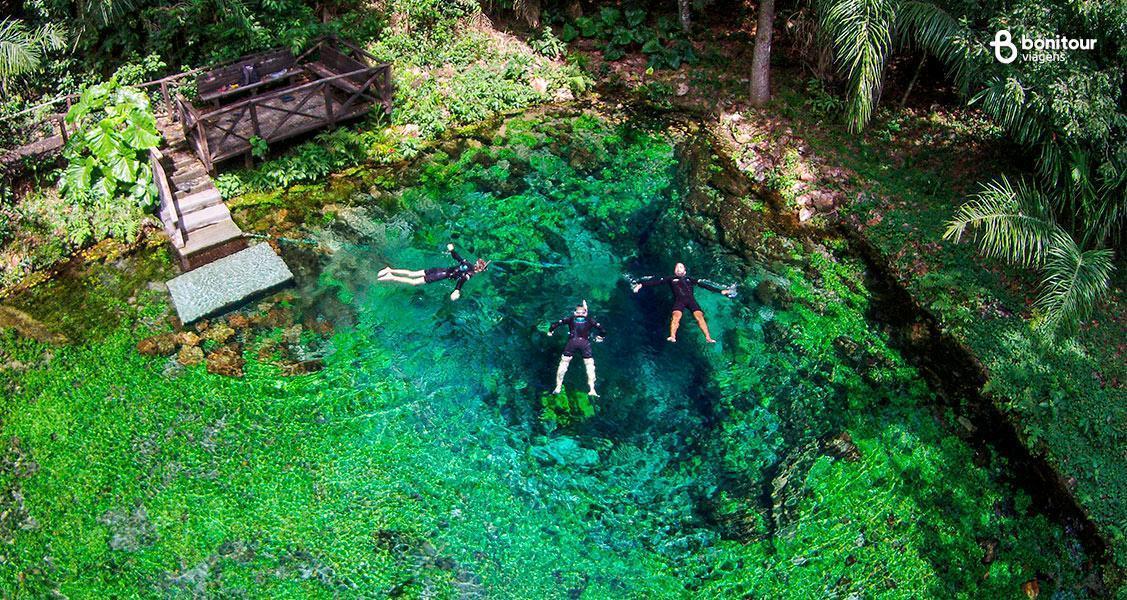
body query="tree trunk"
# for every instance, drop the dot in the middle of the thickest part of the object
(573, 9)
(684, 11)
(761, 57)
(529, 10)
(912, 83)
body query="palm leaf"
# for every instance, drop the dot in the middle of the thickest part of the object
(861, 34)
(19, 53)
(1075, 281)
(1011, 224)
(935, 31)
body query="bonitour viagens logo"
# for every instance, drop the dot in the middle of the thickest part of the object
(1036, 49)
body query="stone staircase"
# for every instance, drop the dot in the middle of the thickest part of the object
(198, 223)
(219, 271)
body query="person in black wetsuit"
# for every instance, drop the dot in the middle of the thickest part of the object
(683, 298)
(579, 328)
(460, 272)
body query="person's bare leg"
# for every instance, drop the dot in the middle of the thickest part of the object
(408, 280)
(703, 326)
(387, 272)
(560, 372)
(590, 364)
(673, 325)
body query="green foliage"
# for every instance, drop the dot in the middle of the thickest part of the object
(1059, 392)
(258, 147)
(566, 408)
(1018, 226)
(663, 43)
(416, 464)
(1067, 115)
(107, 178)
(547, 44)
(820, 101)
(22, 49)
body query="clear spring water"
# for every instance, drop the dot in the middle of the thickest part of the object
(798, 457)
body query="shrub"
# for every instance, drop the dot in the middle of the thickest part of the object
(107, 179)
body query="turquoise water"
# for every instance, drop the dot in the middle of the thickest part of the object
(801, 456)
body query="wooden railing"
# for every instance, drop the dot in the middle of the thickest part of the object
(234, 126)
(169, 205)
(165, 104)
(373, 83)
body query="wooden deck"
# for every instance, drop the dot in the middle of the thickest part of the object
(331, 82)
(277, 116)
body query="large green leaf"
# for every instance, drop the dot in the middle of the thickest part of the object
(101, 139)
(123, 169)
(139, 137)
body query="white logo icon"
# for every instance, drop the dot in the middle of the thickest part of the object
(1003, 39)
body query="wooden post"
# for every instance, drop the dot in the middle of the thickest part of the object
(254, 119)
(204, 150)
(63, 129)
(167, 99)
(328, 102)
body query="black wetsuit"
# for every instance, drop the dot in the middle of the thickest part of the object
(460, 272)
(579, 330)
(683, 298)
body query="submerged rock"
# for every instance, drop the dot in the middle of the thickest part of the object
(219, 333)
(28, 326)
(129, 530)
(565, 451)
(188, 339)
(788, 488)
(158, 345)
(774, 295)
(226, 361)
(190, 355)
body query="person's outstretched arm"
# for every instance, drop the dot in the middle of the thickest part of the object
(712, 286)
(648, 281)
(553, 326)
(457, 293)
(454, 254)
(598, 328)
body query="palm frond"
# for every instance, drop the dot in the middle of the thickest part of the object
(1075, 281)
(102, 13)
(18, 51)
(1004, 99)
(1011, 224)
(21, 49)
(861, 34)
(50, 37)
(932, 29)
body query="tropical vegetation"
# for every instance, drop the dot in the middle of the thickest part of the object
(347, 438)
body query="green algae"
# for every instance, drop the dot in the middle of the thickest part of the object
(802, 456)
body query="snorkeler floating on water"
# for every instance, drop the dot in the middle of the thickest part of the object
(460, 272)
(683, 298)
(579, 326)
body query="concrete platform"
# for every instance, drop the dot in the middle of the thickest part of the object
(228, 282)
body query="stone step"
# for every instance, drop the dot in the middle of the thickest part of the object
(187, 174)
(228, 282)
(198, 219)
(193, 202)
(207, 237)
(195, 186)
